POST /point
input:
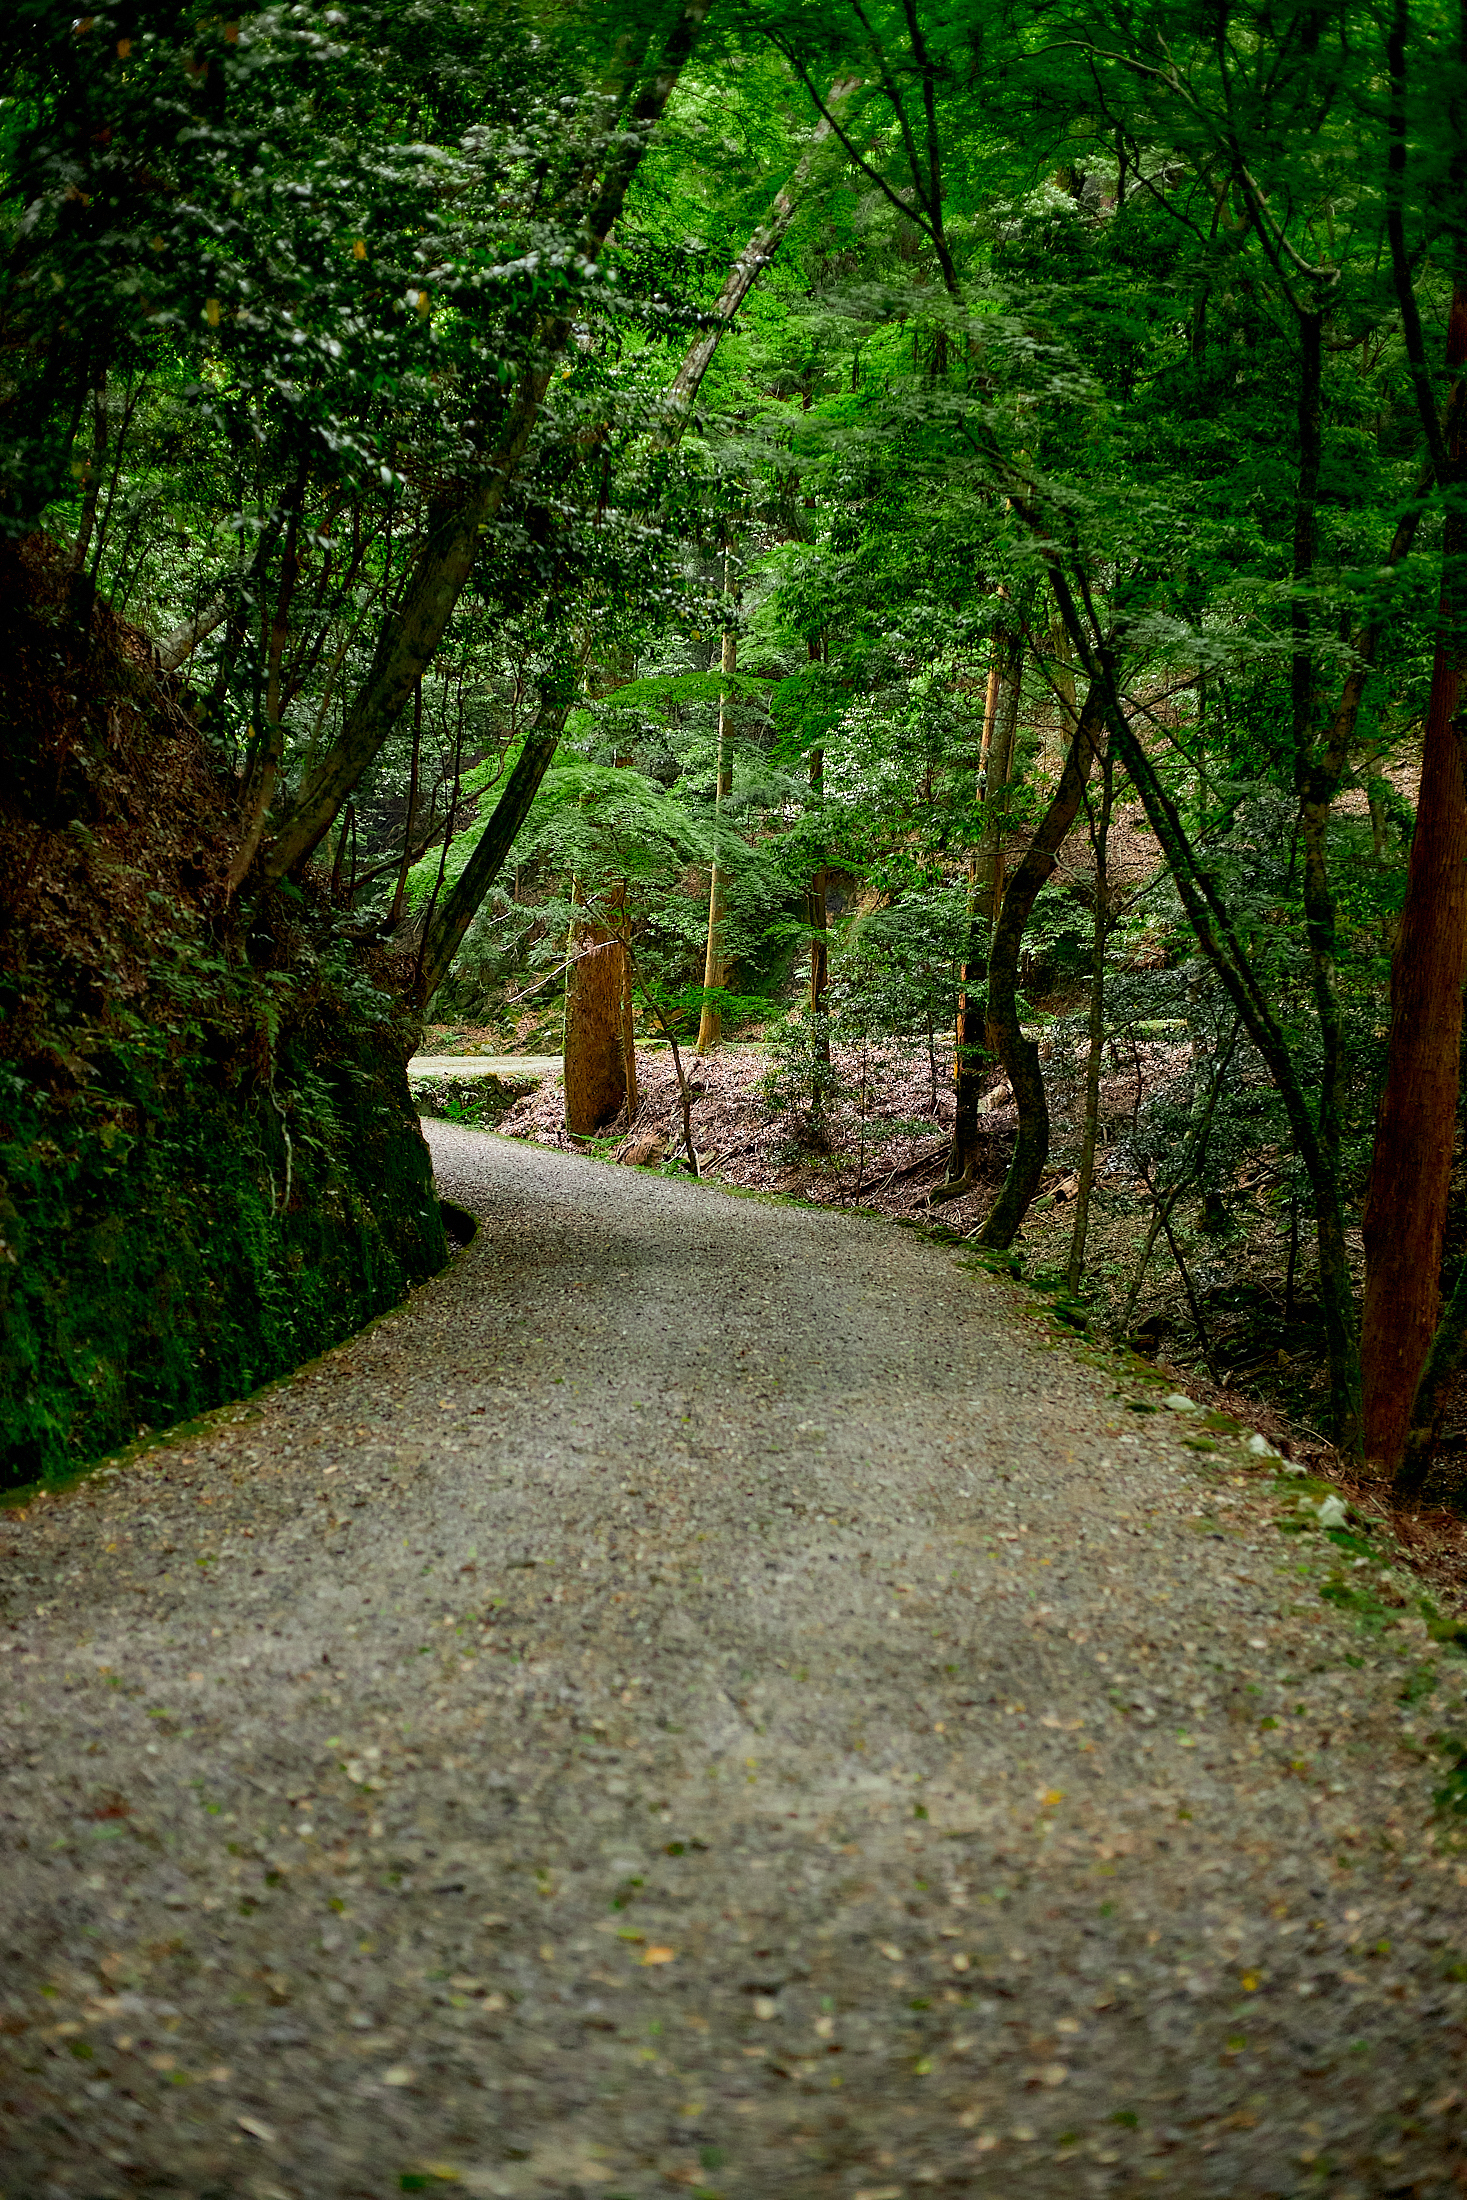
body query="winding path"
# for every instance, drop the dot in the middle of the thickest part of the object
(708, 1698)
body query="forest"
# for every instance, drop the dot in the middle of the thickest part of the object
(929, 535)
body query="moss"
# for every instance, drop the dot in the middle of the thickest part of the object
(151, 1265)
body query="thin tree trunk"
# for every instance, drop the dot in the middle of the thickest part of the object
(1096, 1036)
(746, 270)
(985, 894)
(395, 915)
(628, 1025)
(1020, 1056)
(1194, 1155)
(684, 1095)
(710, 1024)
(445, 931)
(272, 750)
(83, 540)
(817, 917)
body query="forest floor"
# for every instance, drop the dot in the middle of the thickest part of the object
(714, 1696)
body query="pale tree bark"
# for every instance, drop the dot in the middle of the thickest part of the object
(411, 634)
(710, 1024)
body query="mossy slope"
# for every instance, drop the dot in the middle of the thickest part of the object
(210, 1164)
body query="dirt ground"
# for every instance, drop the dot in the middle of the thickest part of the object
(713, 1697)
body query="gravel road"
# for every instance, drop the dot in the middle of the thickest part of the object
(709, 1698)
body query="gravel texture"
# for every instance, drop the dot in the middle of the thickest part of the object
(710, 1697)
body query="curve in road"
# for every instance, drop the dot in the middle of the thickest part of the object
(706, 1698)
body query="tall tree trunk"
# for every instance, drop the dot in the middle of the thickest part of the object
(1410, 1175)
(1095, 1034)
(260, 791)
(628, 1021)
(400, 893)
(1020, 1056)
(985, 893)
(710, 1024)
(95, 466)
(817, 917)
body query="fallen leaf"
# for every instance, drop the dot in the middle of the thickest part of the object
(660, 1955)
(765, 2009)
(256, 2129)
(891, 1951)
(1250, 1982)
(399, 2074)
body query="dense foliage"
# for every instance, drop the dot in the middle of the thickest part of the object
(1053, 536)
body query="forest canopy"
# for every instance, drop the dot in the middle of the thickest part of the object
(595, 478)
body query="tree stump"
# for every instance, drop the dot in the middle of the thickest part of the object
(595, 1051)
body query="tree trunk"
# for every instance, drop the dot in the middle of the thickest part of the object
(628, 1030)
(595, 1060)
(1410, 1175)
(83, 542)
(710, 1024)
(746, 270)
(400, 892)
(817, 917)
(261, 792)
(1020, 1056)
(1096, 1037)
(1000, 717)
(1062, 673)
(460, 905)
